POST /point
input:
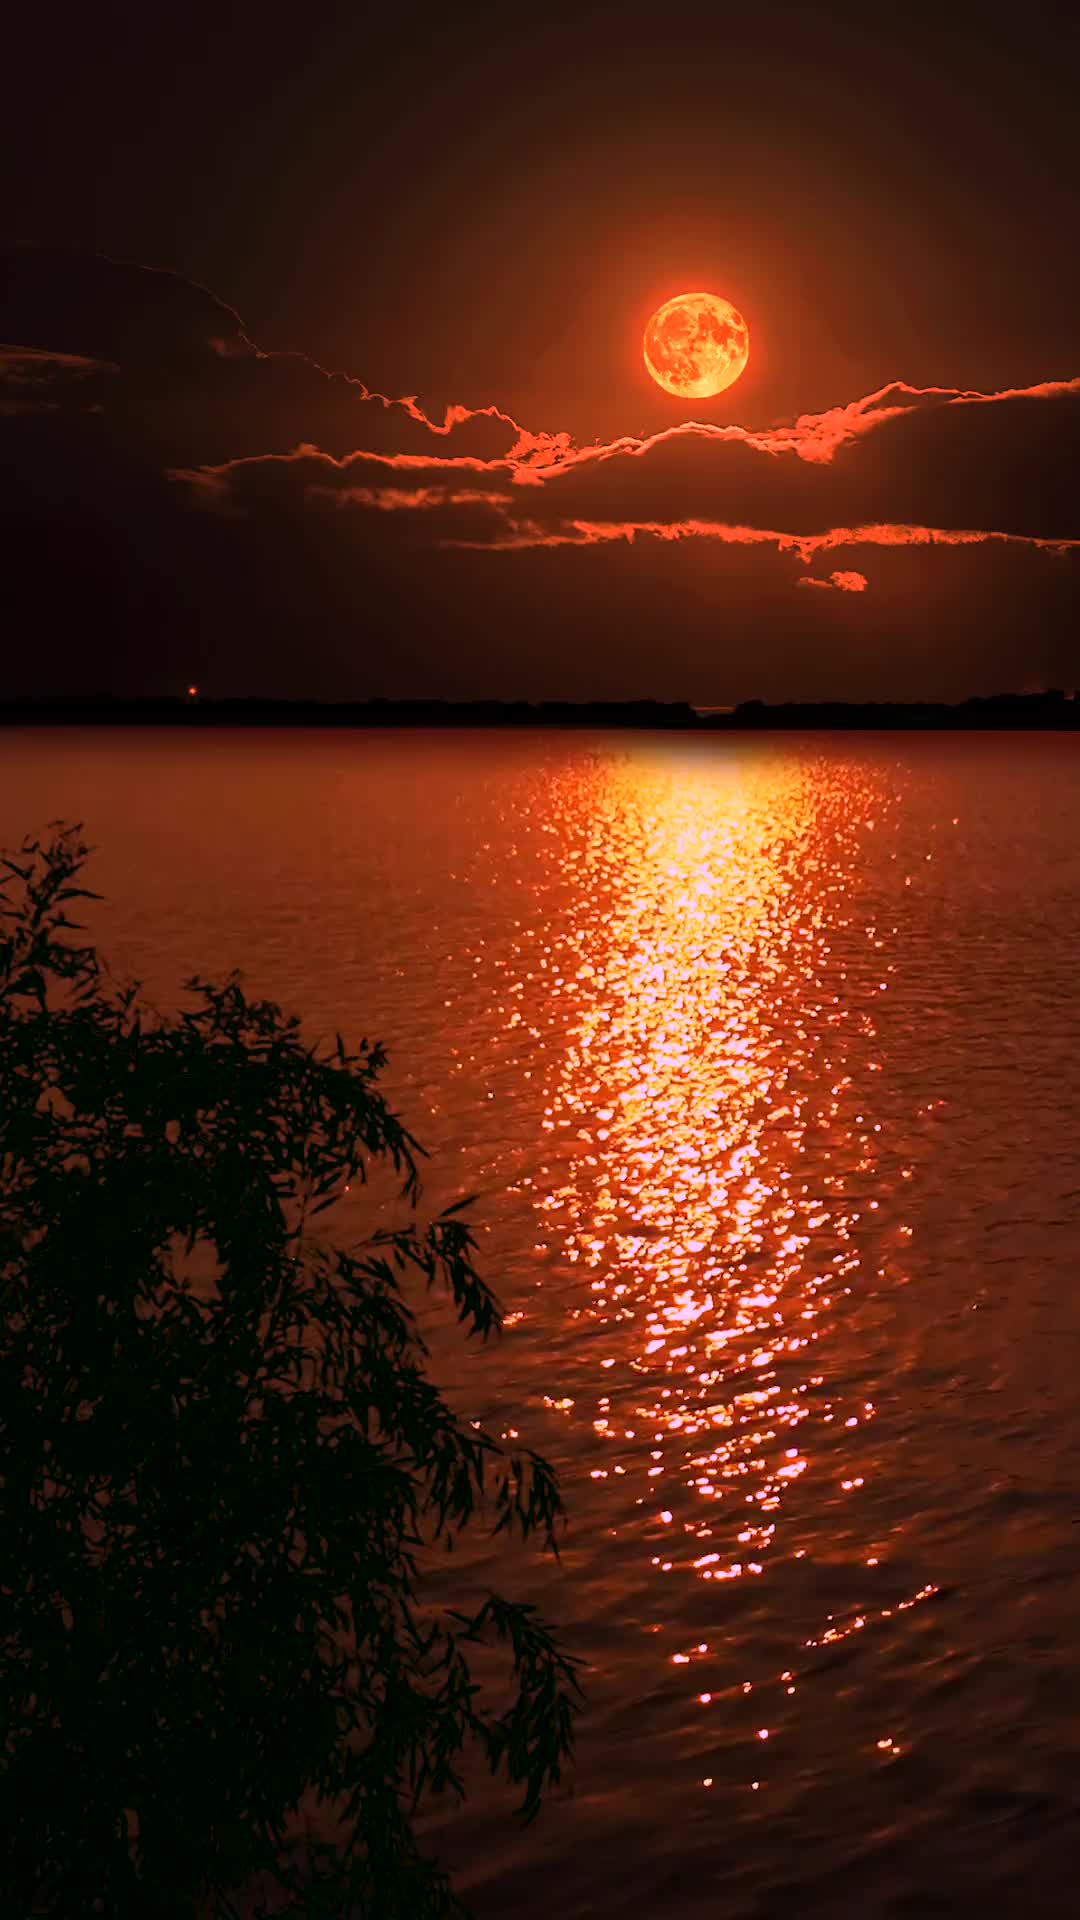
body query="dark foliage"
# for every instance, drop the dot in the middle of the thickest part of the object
(221, 1461)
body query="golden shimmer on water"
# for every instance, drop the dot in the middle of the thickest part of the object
(712, 1161)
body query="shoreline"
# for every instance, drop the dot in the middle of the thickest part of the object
(1043, 712)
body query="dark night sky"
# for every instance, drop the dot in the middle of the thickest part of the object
(482, 210)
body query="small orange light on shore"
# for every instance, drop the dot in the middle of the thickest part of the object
(193, 692)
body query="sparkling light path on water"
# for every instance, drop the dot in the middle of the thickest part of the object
(708, 1070)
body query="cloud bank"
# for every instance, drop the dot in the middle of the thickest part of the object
(145, 430)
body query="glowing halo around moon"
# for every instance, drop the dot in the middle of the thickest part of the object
(695, 345)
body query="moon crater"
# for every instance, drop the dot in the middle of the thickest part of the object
(696, 344)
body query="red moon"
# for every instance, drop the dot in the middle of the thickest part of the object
(695, 345)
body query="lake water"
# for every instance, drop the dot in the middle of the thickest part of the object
(762, 1057)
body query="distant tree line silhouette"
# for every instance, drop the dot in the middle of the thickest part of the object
(1052, 708)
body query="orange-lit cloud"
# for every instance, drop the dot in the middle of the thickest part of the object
(901, 467)
(845, 580)
(37, 380)
(584, 533)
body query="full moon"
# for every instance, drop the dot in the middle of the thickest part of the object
(696, 345)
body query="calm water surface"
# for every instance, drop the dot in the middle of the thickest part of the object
(763, 1060)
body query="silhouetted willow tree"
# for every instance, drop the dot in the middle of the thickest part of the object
(219, 1455)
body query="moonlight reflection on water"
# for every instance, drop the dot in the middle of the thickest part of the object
(718, 1152)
